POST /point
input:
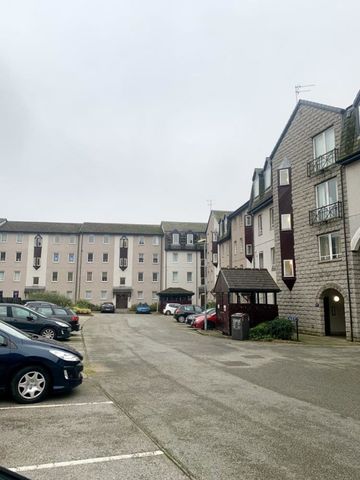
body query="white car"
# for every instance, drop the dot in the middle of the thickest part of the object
(170, 308)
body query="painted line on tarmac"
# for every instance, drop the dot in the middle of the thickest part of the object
(56, 405)
(86, 461)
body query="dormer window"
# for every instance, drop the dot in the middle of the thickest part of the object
(267, 177)
(189, 239)
(175, 239)
(256, 186)
(284, 177)
(248, 221)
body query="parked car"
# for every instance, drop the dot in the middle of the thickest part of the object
(190, 319)
(107, 307)
(143, 308)
(51, 310)
(211, 319)
(32, 366)
(29, 321)
(185, 310)
(6, 474)
(170, 308)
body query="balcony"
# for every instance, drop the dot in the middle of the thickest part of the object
(325, 214)
(319, 164)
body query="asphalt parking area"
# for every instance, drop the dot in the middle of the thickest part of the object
(78, 435)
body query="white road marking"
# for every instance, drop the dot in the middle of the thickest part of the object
(55, 405)
(86, 461)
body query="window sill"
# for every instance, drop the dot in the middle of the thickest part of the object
(330, 260)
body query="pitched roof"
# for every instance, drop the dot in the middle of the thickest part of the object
(183, 226)
(219, 214)
(244, 206)
(175, 291)
(121, 228)
(248, 280)
(40, 227)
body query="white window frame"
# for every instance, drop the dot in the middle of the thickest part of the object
(176, 239)
(56, 257)
(267, 177)
(106, 276)
(88, 294)
(55, 277)
(141, 258)
(89, 276)
(156, 240)
(92, 260)
(56, 239)
(248, 221)
(2, 254)
(91, 238)
(189, 239)
(19, 238)
(249, 249)
(105, 261)
(103, 294)
(16, 255)
(286, 222)
(71, 257)
(142, 240)
(271, 218)
(189, 275)
(175, 257)
(36, 280)
(175, 276)
(122, 281)
(140, 275)
(331, 255)
(261, 259)
(2, 276)
(260, 225)
(70, 276)
(291, 263)
(189, 256)
(155, 256)
(154, 295)
(17, 276)
(272, 258)
(155, 277)
(140, 295)
(328, 148)
(106, 239)
(284, 177)
(327, 194)
(72, 239)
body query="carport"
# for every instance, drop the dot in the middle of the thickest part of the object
(245, 290)
(174, 295)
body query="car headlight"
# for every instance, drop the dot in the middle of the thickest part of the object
(62, 324)
(70, 357)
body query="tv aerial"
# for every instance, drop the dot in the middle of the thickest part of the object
(302, 88)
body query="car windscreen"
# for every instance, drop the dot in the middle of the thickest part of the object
(5, 328)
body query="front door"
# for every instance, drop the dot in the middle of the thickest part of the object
(334, 313)
(121, 300)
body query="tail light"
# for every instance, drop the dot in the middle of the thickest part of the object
(75, 318)
(177, 310)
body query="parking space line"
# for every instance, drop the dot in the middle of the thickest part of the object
(55, 405)
(86, 461)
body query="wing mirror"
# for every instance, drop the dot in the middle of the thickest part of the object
(31, 318)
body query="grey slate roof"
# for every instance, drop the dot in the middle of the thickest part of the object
(120, 228)
(249, 280)
(219, 214)
(184, 226)
(40, 227)
(350, 135)
(244, 206)
(175, 291)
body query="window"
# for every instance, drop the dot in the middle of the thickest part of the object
(2, 276)
(106, 239)
(256, 186)
(71, 257)
(235, 247)
(105, 258)
(215, 258)
(140, 295)
(3, 237)
(154, 296)
(189, 239)
(90, 257)
(260, 228)
(104, 276)
(2, 256)
(324, 142)
(47, 311)
(18, 257)
(70, 276)
(175, 239)
(35, 280)
(271, 218)
(156, 240)
(122, 280)
(286, 221)
(123, 262)
(284, 177)
(56, 239)
(155, 258)
(56, 257)
(175, 257)
(140, 276)
(248, 221)
(248, 249)
(241, 245)
(141, 240)
(103, 294)
(261, 259)
(330, 246)
(326, 193)
(189, 277)
(189, 258)
(89, 276)
(272, 256)
(141, 258)
(19, 238)
(88, 294)
(123, 242)
(214, 236)
(55, 276)
(155, 276)
(69, 293)
(17, 276)
(267, 177)
(288, 266)
(175, 276)
(72, 239)
(91, 238)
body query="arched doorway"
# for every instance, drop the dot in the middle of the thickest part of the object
(334, 312)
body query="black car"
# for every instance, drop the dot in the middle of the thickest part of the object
(51, 310)
(107, 307)
(32, 366)
(6, 474)
(184, 311)
(33, 322)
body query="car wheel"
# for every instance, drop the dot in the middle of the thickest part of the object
(181, 319)
(48, 332)
(167, 312)
(30, 384)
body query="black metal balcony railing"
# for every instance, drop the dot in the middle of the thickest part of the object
(323, 162)
(324, 214)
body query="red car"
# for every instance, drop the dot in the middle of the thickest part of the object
(211, 319)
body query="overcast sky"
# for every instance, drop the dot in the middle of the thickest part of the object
(139, 111)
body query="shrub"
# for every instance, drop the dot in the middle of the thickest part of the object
(282, 328)
(260, 332)
(85, 304)
(211, 304)
(133, 308)
(56, 298)
(82, 311)
(153, 307)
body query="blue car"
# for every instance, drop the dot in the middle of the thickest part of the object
(32, 366)
(143, 308)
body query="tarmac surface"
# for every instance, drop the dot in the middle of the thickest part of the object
(162, 401)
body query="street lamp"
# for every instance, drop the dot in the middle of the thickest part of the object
(203, 242)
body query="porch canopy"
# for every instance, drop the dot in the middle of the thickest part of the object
(245, 290)
(174, 295)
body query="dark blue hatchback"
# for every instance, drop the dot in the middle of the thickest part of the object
(32, 366)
